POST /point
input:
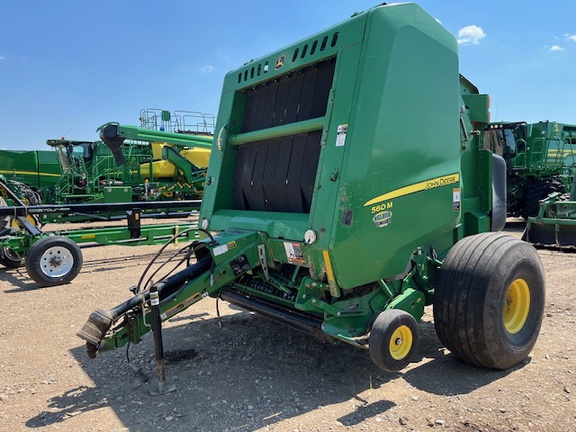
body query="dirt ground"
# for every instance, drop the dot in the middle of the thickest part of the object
(255, 375)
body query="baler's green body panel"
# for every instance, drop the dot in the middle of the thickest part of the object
(385, 152)
(388, 177)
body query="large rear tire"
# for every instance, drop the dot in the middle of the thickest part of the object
(489, 300)
(393, 340)
(53, 261)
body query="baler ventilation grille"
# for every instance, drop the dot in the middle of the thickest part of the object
(314, 47)
(319, 45)
(278, 175)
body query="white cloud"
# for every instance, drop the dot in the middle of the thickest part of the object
(470, 34)
(571, 37)
(556, 48)
(207, 69)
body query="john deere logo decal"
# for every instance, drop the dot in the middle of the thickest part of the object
(280, 62)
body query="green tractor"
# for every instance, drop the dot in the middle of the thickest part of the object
(540, 158)
(327, 210)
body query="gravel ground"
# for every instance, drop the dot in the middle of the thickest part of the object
(251, 374)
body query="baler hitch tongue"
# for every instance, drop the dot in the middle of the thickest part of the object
(100, 321)
(98, 332)
(94, 330)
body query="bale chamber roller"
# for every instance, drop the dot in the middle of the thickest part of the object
(346, 174)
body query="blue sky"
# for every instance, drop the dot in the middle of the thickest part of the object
(68, 66)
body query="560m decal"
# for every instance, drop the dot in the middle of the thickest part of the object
(417, 187)
(382, 206)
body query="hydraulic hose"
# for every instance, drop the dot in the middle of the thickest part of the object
(100, 321)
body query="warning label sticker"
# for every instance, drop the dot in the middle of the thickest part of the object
(341, 136)
(219, 250)
(456, 199)
(294, 253)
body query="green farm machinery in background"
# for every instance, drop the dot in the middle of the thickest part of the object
(35, 168)
(133, 163)
(30, 173)
(540, 158)
(165, 158)
(132, 173)
(555, 224)
(148, 166)
(326, 209)
(54, 257)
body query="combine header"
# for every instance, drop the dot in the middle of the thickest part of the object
(326, 208)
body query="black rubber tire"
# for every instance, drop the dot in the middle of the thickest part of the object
(471, 298)
(10, 258)
(537, 191)
(53, 261)
(390, 325)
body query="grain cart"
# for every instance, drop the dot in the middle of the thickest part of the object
(347, 189)
(540, 158)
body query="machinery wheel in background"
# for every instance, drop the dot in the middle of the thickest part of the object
(393, 339)
(489, 300)
(9, 258)
(54, 261)
(537, 191)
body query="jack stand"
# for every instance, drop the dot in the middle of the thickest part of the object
(158, 346)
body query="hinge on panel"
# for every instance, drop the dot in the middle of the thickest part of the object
(262, 257)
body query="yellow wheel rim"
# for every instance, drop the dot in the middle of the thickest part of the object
(401, 342)
(516, 306)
